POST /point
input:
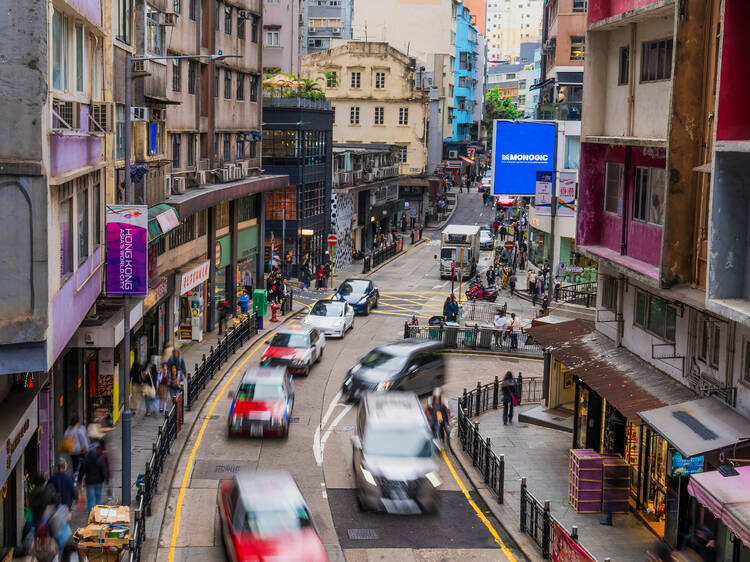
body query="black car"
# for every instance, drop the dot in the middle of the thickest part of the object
(412, 365)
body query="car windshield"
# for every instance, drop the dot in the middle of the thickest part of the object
(354, 286)
(485, 235)
(327, 308)
(377, 359)
(397, 443)
(447, 253)
(268, 523)
(290, 340)
(260, 391)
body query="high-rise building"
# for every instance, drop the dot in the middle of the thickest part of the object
(283, 34)
(326, 22)
(509, 24)
(478, 10)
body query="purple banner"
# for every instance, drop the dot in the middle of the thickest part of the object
(127, 250)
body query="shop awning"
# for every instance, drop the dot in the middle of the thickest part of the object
(727, 497)
(625, 380)
(699, 426)
(465, 159)
(161, 219)
(505, 202)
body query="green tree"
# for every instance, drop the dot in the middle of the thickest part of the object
(497, 107)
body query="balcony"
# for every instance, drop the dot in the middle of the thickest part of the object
(297, 103)
(566, 111)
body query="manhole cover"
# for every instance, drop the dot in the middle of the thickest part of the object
(214, 417)
(294, 420)
(362, 534)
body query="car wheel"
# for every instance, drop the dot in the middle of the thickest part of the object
(367, 308)
(376, 302)
(321, 353)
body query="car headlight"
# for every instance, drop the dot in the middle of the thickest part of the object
(433, 478)
(298, 363)
(362, 300)
(348, 380)
(368, 476)
(382, 386)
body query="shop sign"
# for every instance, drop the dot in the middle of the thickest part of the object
(157, 292)
(566, 194)
(247, 246)
(565, 549)
(543, 199)
(453, 164)
(17, 439)
(682, 466)
(194, 277)
(127, 249)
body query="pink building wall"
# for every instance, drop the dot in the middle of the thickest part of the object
(74, 150)
(733, 120)
(92, 9)
(603, 9)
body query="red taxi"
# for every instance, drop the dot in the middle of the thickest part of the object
(262, 404)
(264, 517)
(296, 348)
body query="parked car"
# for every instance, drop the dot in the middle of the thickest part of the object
(296, 348)
(485, 185)
(361, 294)
(395, 464)
(262, 404)
(264, 517)
(486, 240)
(411, 364)
(333, 318)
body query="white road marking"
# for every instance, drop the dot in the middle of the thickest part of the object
(329, 431)
(440, 286)
(318, 443)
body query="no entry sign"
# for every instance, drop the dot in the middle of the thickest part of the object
(332, 240)
(508, 245)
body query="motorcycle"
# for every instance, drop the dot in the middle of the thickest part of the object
(481, 293)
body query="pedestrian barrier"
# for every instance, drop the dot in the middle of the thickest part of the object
(481, 311)
(380, 255)
(476, 337)
(536, 520)
(582, 294)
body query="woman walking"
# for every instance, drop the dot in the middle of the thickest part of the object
(75, 443)
(508, 386)
(163, 389)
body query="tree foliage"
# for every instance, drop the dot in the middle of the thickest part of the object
(497, 107)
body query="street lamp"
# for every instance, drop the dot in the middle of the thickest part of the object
(125, 359)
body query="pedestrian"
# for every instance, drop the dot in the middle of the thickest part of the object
(247, 282)
(452, 315)
(319, 277)
(135, 385)
(167, 353)
(326, 274)
(512, 283)
(545, 303)
(75, 443)
(94, 470)
(163, 386)
(148, 389)
(499, 322)
(306, 275)
(63, 483)
(176, 381)
(512, 329)
(503, 232)
(446, 304)
(177, 360)
(244, 301)
(224, 313)
(508, 386)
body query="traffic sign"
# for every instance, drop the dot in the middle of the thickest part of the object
(508, 245)
(332, 240)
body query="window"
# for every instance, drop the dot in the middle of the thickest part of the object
(379, 115)
(354, 115)
(648, 197)
(66, 236)
(59, 51)
(522, 100)
(609, 293)
(227, 83)
(192, 9)
(82, 216)
(227, 147)
(254, 29)
(572, 151)
(522, 84)
(380, 80)
(656, 60)
(580, 5)
(176, 151)
(356, 79)
(240, 86)
(216, 82)
(217, 15)
(192, 76)
(278, 200)
(124, 20)
(183, 233)
(403, 115)
(228, 20)
(746, 363)
(272, 38)
(176, 74)
(453, 38)
(333, 109)
(332, 79)
(613, 188)
(312, 200)
(191, 150)
(623, 76)
(79, 57)
(156, 137)
(709, 344)
(119, 131)
(254, 83)
(239, 148)
(96, 212)
(154, 33)
(577, 48)
(241, 28)
(177, 6)
(655, 315)
(403, 153)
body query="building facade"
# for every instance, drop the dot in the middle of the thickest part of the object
(283, 34)
(326, 23)
(376, 98)
(509, 24)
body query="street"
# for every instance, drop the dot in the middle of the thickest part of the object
(318, 451)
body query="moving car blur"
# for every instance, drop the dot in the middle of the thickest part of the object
(262, 404)
(333, 318)
(264, 517)
(395, 462)
(411, 364)
(361, 294)
(296, 348)
(486, 240)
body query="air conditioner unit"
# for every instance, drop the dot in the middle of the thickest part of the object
(226, 175)
(66, 115)
(170, 19)
(141, 68)
(178, 185)
(245, 167)
(139, 114)
(335, 30)
(453, 154)
(200, 177)
(167, 186)
(100, 118)
(237, 173)
(158, 115)
(245, 14)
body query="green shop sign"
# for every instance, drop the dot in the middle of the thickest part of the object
(247, 246)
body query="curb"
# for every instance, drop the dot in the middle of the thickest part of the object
(504, 515)
(526, 356)
(159, 504)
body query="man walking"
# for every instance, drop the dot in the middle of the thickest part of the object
(94, 472)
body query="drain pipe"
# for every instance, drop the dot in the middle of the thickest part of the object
(618, 313)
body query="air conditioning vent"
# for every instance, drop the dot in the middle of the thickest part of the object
(158, 115)
(226, 175)
(245, 168)
(139, 114)
(65, 115)
(200, 177)
(178, 185)
(246, 14)
(453, 154)
(100, 118)
(335, 30)
(170, 19)
(167, 186)
(141, 68)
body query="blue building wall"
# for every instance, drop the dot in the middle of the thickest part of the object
(465, 91)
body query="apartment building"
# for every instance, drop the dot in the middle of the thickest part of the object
(374, 95)
(326, 24)
(510, 23)
(283, 34)
(651, 154)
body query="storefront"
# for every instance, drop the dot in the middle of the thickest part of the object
(190, 303)
(247, 252)
(155, 319)
(538, 244)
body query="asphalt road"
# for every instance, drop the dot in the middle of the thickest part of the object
(318, 451)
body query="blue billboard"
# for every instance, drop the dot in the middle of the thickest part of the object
(520, 150)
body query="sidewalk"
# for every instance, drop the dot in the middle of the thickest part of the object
(541, 456)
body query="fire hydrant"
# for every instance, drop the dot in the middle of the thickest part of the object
(274, 310)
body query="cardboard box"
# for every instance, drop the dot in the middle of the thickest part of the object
(98, 536)
(110, 514)
(99, 555)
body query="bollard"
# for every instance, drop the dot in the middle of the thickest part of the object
(487, 461)
(406, 329)
(475, 444)
(501, 478)
(479, 394)
(495, 393)
(546, 529)
(519, 385)
(523, 504)
(574, 533)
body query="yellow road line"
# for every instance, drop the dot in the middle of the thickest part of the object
(390, 298)
(194, 451)
(482, 518)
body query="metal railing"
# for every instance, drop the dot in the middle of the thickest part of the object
(473, 403)
(380, 255)
(481, 311)
(476, 337)
(536, 520)
(583, 294)
(219, 355)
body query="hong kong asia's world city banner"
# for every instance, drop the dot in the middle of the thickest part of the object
(127, 250)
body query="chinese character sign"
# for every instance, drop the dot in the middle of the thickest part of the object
(543, 198)
(566, 194)
(127, 249)
(565, 549)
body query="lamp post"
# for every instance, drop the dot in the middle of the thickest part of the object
(125, 359)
